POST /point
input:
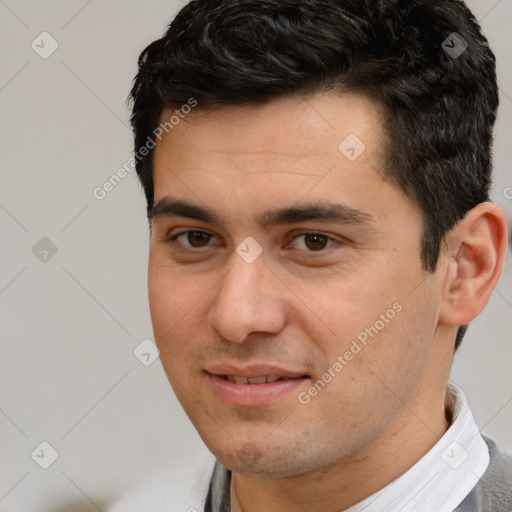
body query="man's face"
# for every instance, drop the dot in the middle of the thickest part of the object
(307, 258)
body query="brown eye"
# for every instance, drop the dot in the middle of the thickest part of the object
(316, 241)
(313, 242)
(198, 238)
(192, 238)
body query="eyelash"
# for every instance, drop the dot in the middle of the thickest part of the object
(330, 239)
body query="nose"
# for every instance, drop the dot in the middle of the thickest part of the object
(247, 300)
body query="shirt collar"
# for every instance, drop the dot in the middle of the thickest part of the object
(438, 481)
(445, 475)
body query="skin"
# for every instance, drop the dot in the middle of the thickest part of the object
(300, 308)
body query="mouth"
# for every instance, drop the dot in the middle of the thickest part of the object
(254, 386)
(264, 379)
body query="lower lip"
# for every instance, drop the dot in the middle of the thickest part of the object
(251, 395)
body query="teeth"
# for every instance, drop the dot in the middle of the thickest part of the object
(254, 380)
(257, 380)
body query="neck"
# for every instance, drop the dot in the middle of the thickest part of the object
(349, 481)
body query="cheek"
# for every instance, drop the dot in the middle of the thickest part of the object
(370, 317)
(174, 299)
(339, 307)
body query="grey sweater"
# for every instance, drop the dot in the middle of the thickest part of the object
(493, 492)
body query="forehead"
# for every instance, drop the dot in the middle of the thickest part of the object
(287, 128)
(329, 144)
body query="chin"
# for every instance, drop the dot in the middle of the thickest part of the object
(267, 461)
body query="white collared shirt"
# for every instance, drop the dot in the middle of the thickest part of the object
(441, 479)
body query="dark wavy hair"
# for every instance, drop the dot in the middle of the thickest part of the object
(439, 106)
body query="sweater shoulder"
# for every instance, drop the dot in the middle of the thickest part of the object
(494, 490)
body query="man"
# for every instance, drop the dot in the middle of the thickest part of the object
(317, 177)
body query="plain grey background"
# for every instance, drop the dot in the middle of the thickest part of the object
(71, 319)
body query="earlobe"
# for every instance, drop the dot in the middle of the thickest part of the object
(475, 250)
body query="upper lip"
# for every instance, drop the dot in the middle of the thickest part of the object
(253, 370)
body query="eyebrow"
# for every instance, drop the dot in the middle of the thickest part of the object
(313, 211)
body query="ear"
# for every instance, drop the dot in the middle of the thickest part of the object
(475, 250)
